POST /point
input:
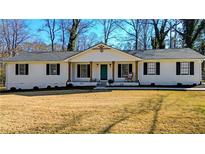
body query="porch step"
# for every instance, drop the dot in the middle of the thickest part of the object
(102, 84)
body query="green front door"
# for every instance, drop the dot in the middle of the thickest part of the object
(103, 72)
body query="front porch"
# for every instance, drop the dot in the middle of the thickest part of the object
(103, 65)
(115, 73)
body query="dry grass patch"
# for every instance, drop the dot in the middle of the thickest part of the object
(89, 111)
(2, 88)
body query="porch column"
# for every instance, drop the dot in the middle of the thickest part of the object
(91, 71)
(69, 71)
(136, 66)
(113, 70)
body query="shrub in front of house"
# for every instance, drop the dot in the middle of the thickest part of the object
(36, 88)
(179, 84)
(70, 85)
(13, 88)
(110, 82)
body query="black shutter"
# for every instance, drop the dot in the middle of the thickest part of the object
(47, 69)
(158, 68)
(58, 69)
(178, 68)
(88, 68)
(145, 68)
(26, 69)
(191, 68)
(17, 69)
(78, 70)
(130, 68)
(119, 70)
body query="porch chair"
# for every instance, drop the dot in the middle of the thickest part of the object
(129, 77)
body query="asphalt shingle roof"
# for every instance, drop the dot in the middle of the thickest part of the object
(183, 53)
(42, 56)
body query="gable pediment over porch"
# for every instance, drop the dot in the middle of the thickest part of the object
(102, 53)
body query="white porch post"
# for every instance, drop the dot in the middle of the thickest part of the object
(113, 71)
(69, 71)
(136, 69)
(91, 71)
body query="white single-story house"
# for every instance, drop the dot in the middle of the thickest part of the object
(100, 64)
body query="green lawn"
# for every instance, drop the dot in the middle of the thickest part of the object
(89, 111)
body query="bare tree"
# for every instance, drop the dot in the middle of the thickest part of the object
(34, 46)
(73, 31)
(175, 41)
(13, 33)
(133, 28)
(51, 28)
(85, 41)
(161, 30)
(160, 33)
(77, 27)
(1, 45)
(63, 24)
(146, 33)
(191, 30)
(109, 26)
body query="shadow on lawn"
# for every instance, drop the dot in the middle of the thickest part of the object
(157, 108)
(143, 107)
(46, 92)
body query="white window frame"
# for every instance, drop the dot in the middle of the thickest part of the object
(151, 68)
(123, 75)
(184, 68)
(51, 72)
(128, 70)
(86, 71)
(22, 66)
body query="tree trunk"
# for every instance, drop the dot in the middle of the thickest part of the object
(136, 42)
(191, 30)
(105, 40)
(73, 35)
(52, 45)
(63, 41)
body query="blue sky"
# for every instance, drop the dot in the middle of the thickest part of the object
(35, 24)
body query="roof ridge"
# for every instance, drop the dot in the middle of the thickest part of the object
(39, 52)
(156, 49)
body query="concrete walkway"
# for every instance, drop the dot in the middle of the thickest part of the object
(149, 88)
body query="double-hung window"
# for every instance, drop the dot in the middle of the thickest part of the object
(83, 70)
(151, 68)
(124, 70)
(184, 68)
(53, 69)
(21, 69)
